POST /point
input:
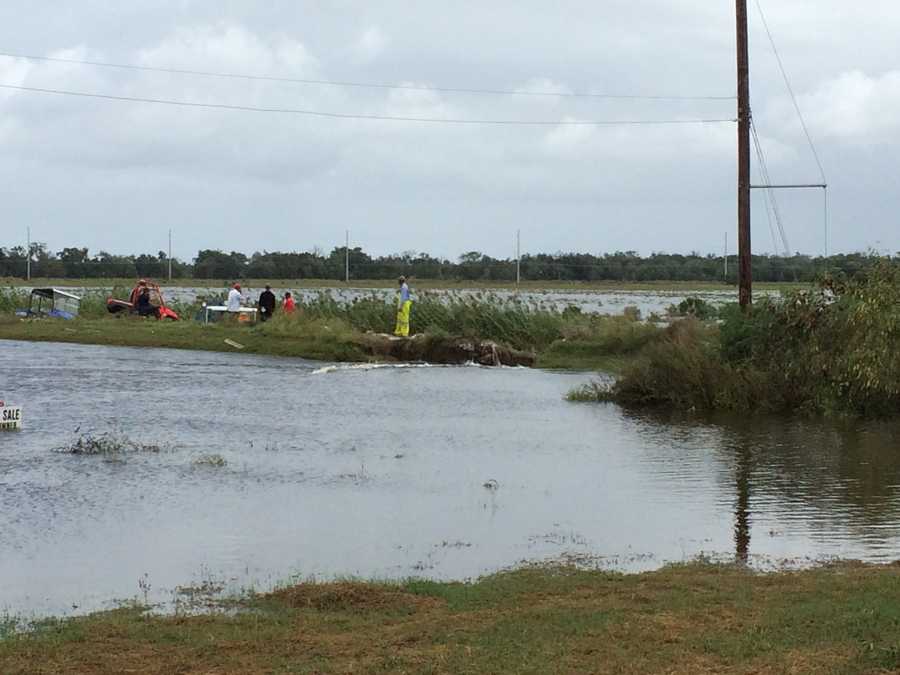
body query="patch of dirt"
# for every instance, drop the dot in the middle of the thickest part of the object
(351, 596)
(449, 350)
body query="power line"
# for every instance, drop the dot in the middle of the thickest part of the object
(366, 85)
(790, 89)
(356, 116)
(764, 172)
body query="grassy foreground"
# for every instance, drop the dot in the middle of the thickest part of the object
(695, 618)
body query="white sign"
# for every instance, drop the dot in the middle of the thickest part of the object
(10, 418)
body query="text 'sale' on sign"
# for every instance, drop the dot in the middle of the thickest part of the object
(10, 418)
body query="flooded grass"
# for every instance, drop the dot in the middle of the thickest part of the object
(106, 443)
(211, 460)
(590, 392)
(681, 619)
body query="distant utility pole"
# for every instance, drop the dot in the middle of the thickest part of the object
(725, 256)
(347, 259)
(28, 254)
(170, 254)
(518, 257)
(745, 272)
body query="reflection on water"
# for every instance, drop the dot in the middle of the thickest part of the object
(840, 481)
(742, 475)
(396, 472)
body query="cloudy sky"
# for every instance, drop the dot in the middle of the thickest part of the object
(117, 175)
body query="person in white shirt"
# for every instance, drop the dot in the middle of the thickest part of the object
(234, 299)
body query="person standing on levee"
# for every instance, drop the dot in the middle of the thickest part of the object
(404, 304)
(266, 304)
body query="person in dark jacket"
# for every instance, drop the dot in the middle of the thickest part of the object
(266, 304)
(144, 307)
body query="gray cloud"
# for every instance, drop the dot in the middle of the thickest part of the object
(117, 175)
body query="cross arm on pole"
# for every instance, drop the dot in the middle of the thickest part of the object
(790, 186)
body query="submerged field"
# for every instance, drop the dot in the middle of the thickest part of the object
(694, 618)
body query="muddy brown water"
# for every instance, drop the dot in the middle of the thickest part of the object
(391, 472)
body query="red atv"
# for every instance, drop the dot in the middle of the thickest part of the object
(146, 299)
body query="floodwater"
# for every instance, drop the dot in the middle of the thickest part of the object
(601, 302)
(392, 472)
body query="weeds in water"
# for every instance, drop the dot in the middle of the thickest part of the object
(590, 393)
(213, 460)
(106, 443)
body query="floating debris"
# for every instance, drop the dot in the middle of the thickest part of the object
(214, 460)
(491, 484)
(106, 443)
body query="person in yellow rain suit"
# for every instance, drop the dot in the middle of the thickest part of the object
(404, 304)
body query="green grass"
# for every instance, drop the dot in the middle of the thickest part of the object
(829, 350)
(695, 618)
(330, 341)
(326, 329)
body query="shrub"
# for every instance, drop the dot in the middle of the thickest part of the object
(696, 307)
(828, 350)
(12, 299)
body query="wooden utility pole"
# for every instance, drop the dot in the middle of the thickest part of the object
(518, 257)
(347, 259)
(745, 273)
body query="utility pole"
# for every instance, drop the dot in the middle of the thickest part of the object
(745, 273)
(725, 256)
(518, 257)
(347, 259)
(170, 254)
(28, 254)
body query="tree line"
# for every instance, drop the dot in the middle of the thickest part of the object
(79, 263)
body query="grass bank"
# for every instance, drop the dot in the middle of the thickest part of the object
(316, 340)
(694, 618)
(329, 329)
(829, 350)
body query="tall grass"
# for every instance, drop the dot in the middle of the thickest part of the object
(333, 328)
(831, 350)
(486, 316)
(12, 299)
